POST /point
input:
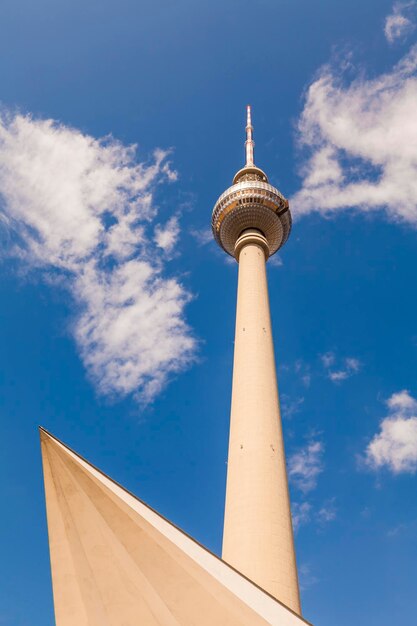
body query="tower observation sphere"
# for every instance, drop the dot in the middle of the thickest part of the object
(251, 203)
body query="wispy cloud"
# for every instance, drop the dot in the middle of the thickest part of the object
(275, 261)
(328, 359)
(305, 465)
(166, 236)
(306, 576)
(360, 142)
(290, 406)
(304, 513)
(339, 369)
(203, 236)
(402, 528)
(327, 512)
(395, 445)
(84, 209)
(400, 22)
(303, 372)
(351, 366)
(301, 514)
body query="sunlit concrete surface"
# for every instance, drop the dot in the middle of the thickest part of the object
(116, 562)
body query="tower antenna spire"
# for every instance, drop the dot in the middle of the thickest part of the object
(249, 143)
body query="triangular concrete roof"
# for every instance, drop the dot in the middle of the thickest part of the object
(116, 562)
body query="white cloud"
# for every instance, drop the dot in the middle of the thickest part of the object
(167, 236)
(306, 577)
(361, 143)
(346, 367)
(395, 445)
(301, 514)
(352, 364)
(339, 375)
(399, 23)
(306, 380)
(305, 465)
(402, 403)
(327, 513)
(84, 207)
(203, 236)
(397, 26)
(351, 367)
(290, 406)
(303, 372)
(401, 528)
(304, 513)
(328, 359)
(275, 261)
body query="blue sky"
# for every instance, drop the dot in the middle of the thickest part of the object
(117, 309)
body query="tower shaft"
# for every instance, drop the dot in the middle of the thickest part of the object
(258, 535)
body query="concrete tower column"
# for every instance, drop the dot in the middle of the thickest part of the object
(258, 536)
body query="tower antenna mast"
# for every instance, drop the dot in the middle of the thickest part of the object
(249, 143)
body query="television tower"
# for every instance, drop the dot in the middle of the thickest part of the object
(251, 221)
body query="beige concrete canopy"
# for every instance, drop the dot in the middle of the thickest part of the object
(116, 562)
